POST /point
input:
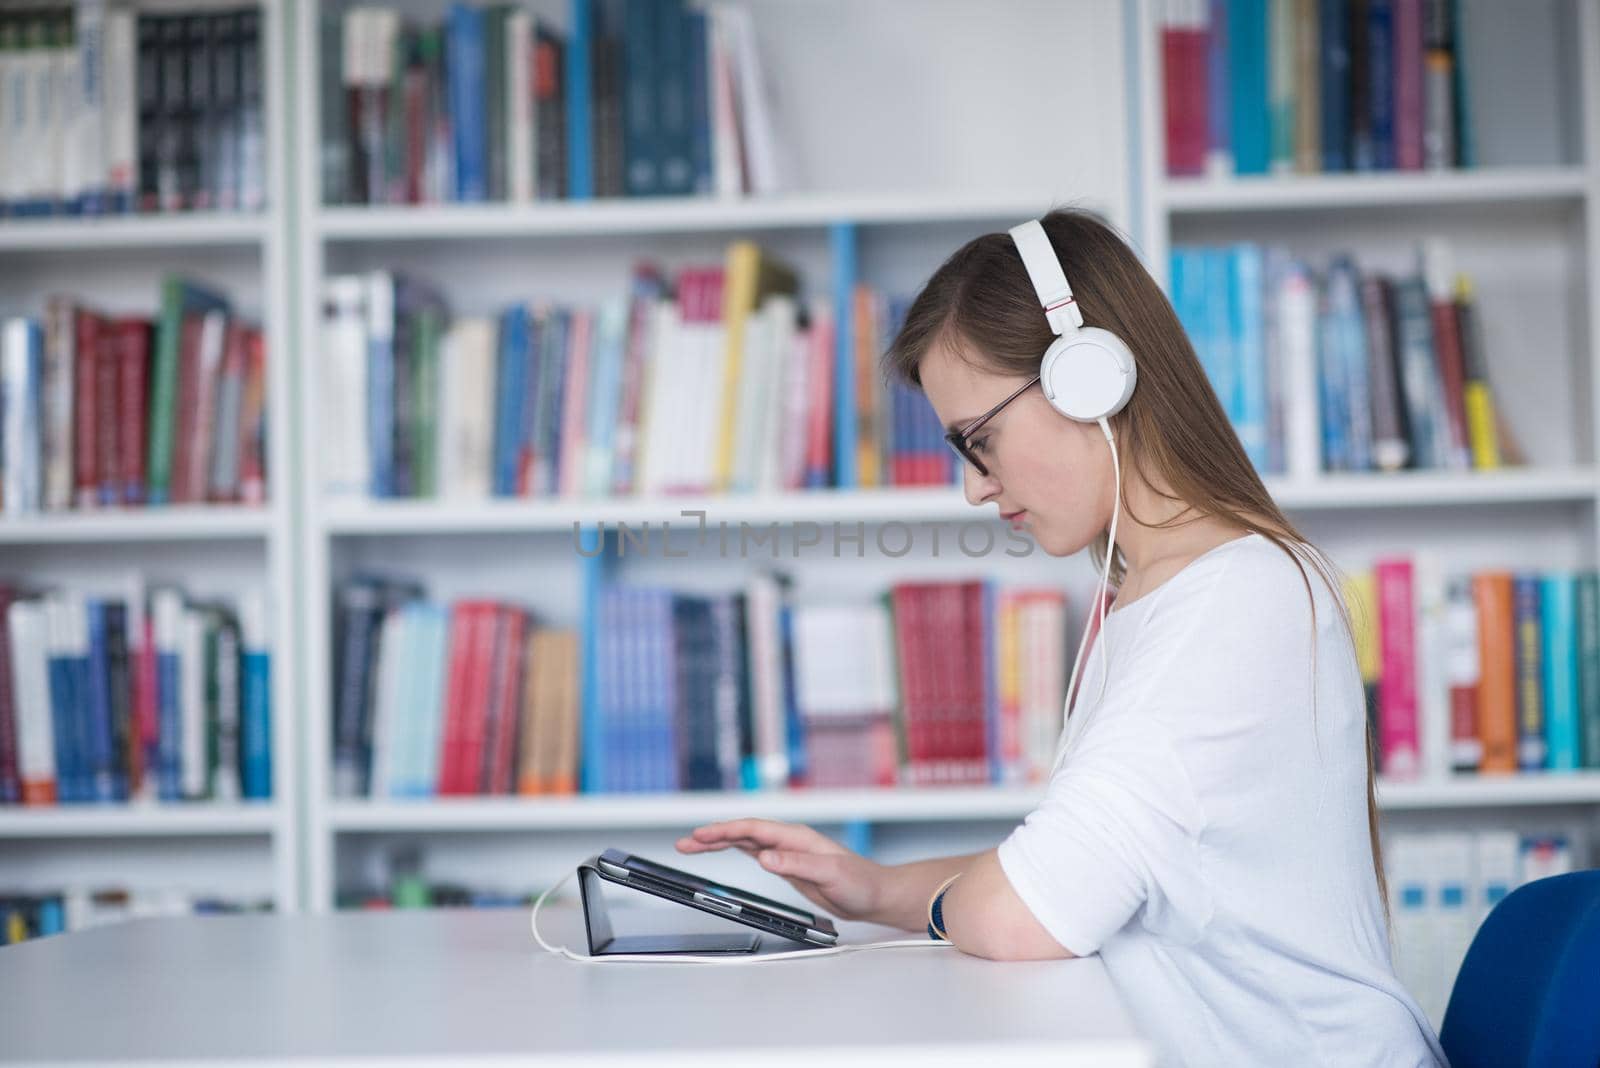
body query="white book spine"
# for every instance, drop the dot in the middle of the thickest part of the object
(62, 118)
(754, 94)
(750, 402)
(60, 351)
(1297, 319)
(342, 395)
(19, 416)
(213, 337)
(780, 357)
(519, 106)
(192, 703)
(1433, 686)
(477, 450)
(225, 779)
(30, 672)
(385, 705)
(86, 142)
(727, 177)
(121, 107)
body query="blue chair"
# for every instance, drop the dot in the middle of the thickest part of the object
(1529, 989)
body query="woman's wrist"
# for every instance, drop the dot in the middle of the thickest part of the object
(904, 890)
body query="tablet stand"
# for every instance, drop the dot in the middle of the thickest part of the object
(602, 942)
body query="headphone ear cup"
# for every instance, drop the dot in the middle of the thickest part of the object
(1088, 375)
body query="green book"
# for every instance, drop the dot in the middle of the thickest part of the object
(1589, 669)
(179, 299)
(427, 335)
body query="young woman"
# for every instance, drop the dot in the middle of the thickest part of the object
(1209, 828)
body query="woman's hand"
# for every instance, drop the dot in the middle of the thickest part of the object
(845, 884)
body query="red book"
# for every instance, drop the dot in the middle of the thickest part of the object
(819, 402)
(415, 102)
(908, 646)
(506, 699)
(975, 747)
(1452, 374)
(107, 400)
(1397, 678)
(133, 384)
(1408, 82)
(463, 618)
(475, 711)
(85, 410)
(187, 408)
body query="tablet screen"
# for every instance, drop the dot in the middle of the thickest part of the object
(727, 893)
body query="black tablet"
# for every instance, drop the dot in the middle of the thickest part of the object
(719, 899)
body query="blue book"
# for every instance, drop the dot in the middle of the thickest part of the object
(1349, 330)
(554, 366)
(1561, 709)
(842, 252)
(255, 702)
(699, 101)
(605, 395)
(167, 610)
(380, 381)
(1332, 391)
(641, 81)
(580, 102)
(1333, 33)
(1247, 70)
(97, 701)
(1250, 347)
(63, 703)
(673, 90)
(794, 724)
(512, 390)
(468, 91)
(1380, 83)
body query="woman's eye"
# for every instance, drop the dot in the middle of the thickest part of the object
(980, 444)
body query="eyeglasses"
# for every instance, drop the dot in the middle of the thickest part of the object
(960, 440)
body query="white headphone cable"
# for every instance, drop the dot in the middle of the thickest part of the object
(691, 958)
(1070, 731)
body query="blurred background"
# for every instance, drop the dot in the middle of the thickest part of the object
(442, 441)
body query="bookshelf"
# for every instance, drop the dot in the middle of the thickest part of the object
(906, 192)
(522, 549)
(248, 851)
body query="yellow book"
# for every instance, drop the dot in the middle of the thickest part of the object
(1361, 599)
(748, 276)
(869, 394)
(1483, 436)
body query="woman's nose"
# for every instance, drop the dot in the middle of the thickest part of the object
(978, 488)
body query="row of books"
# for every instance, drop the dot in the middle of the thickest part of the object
(929, 683)
(724, 382)
(417, 893)
(107, 110)
(106, 699)
(111, 411)
(1493, 671)
(1441, 886)
(32, 914)
(1311, 86)
(635, 98)
(1342, 370)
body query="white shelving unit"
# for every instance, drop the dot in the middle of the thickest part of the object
(245, 850)
(486, 256)
(1528, 231)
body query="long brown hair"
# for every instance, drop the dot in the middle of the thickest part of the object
(981, 304)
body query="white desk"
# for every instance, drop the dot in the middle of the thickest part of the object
(451, 986)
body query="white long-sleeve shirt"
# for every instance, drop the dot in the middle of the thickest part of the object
(1207, 832)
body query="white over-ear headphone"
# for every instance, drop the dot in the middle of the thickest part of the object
(1087, 373)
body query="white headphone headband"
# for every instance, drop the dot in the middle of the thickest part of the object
(1049, 280)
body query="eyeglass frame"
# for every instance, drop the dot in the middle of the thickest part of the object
(957, 439)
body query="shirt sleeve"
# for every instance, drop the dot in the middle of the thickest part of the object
(1088, 858)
